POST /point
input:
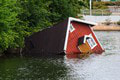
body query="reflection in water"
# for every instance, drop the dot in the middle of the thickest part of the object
(32, 69)
(95, 67)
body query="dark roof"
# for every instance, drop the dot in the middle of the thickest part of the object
(48, 40)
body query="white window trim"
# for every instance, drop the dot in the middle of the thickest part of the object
(91, 45)
(71, 28)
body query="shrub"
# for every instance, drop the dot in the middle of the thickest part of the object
(107, 22)
(118, 23)
(103, 5)
(99, 5)
(112, 3)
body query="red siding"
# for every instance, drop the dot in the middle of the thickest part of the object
(80, 30)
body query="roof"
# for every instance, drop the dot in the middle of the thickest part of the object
(82, 21)
(49, 40)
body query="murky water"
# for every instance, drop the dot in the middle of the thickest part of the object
(96, 67)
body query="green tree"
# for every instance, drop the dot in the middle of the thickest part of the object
(7, 23)
(11, 32)
(39, 14)
(62, 9)
(35, 14)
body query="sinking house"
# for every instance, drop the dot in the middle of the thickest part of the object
(71, 36)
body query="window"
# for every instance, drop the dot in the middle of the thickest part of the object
(91, 42)
(71, 28)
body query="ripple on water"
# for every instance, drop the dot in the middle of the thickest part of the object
(96, 67)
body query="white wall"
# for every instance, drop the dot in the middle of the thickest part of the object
(101, 18)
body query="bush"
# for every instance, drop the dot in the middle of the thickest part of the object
(105, 4)
(108, 22)
(118, 23)
(112, 3)
(99, 5)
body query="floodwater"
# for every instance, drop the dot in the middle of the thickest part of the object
(95, 67)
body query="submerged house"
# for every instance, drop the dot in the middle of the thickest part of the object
(71, 36)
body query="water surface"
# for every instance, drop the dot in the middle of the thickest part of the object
(96, 67)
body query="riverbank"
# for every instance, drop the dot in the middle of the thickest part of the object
(106, 28)
(11, 52)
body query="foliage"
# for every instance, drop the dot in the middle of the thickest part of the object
(108, 22)
(62, 9)
(118, 23)
(103, 5)
(35, 13)
(8, 20)
(40, 13)
(12, 33)
(110, 3)
(99, 5)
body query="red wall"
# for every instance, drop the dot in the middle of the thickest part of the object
(80, 30)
